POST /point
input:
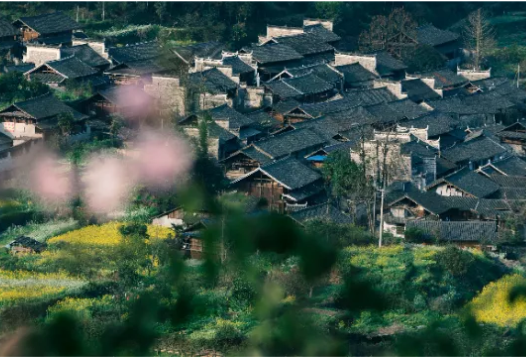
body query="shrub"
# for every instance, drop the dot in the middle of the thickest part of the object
(415, 235)
(455, 261)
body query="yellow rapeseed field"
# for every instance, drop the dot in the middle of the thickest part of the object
(492, 305)
(107, 234)
(16, 286)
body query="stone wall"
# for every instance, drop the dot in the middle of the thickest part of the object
(275, 31)
(367, 62)
(168, 92)
(39, 54)
(393, 87)
(98, 46)
(328, 24)
(473, 75)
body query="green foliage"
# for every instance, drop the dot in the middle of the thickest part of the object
(415, 235)
(455, 261)
(65, 122)
(339, 235)
(14, 87)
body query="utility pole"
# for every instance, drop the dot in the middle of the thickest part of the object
(103, 10)
(380, 234)
(78, 9)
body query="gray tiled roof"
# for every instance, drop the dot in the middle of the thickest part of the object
(322, 71)
(457, 230)
(282, 89)
(512, 166)
(71, 67)
(263, 119)
(437, 123)
(271, 53)
(7, 29)
(291, 173)
(305, 44)
(235, 119)
(50, 23)
(430, 35)
(418, 91)
(238, 66)
(285, 106)
(475, 150)
(86, 54)
(369, 97)
(135, 52)
(470, 182)
(211, 49)
(355, 73)
(428, 200)
(309, 84)
(446, 78)
(453, 105)
(321, 212)
(396, 111)
(216, 131)
(256, 155)
(387, 64)
(290, 142)
(321, 33)
(212, 80)
(23, 67)
(44, 107)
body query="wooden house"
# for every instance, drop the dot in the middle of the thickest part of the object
(52, 28)
(24, 244)
(65, 71)
(284, 184)
(131, 102)
(8, 35)
(465, 183)
(34, 117)
(135, 64)
(515, 136)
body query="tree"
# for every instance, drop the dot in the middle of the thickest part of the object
(456, 261)
(115, 126)
(328, 9)
(347, 180)
(395, 33)
(133, 253)
(160, 10)
(479, 37)
(65, 122)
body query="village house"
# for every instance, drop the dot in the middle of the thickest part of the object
(131, 102)
(135, 64)
(20, 68)
(40, 54)
(510, 166)
(445, 42)
(221, 142)
(69, 70)
(209, 50)
(210, 88)
(514, 136)
(24, 244)
(465, 182)
(286, 184)
(381, 64)
(52, 28)
(35, 117)
(8, 37)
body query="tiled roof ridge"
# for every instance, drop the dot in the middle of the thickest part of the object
(291, 86)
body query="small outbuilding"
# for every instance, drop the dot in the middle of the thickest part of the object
(25, 244)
